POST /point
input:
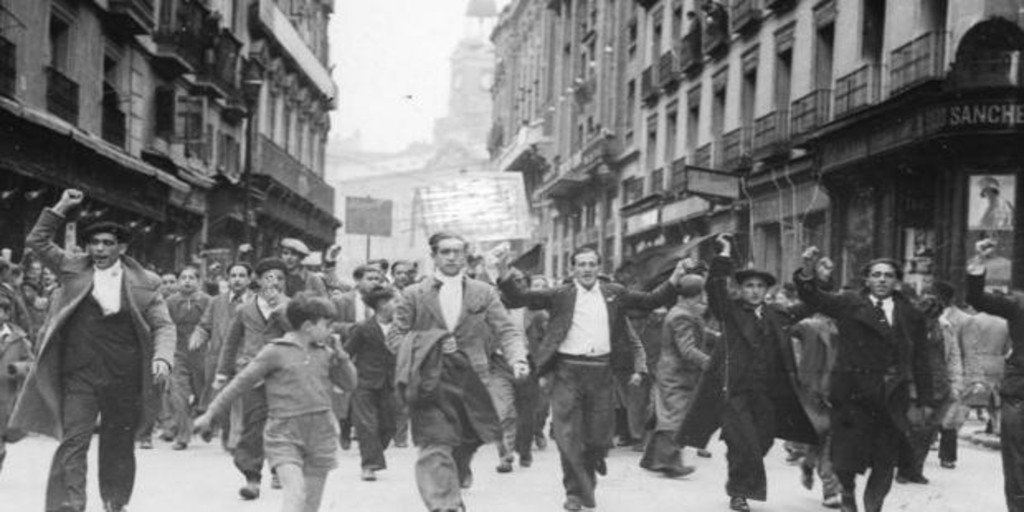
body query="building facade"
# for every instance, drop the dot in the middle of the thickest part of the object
(159, 110)
(869, 127)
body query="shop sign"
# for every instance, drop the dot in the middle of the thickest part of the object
(684, 209)
(712, 183)
(641, 221)
(986, 116)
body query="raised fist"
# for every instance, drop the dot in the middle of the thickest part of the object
(723, 243)
(70, 199)
(985, 248)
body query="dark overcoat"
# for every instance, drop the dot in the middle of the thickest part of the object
(39, 407)
(864, 353)
(734, 360)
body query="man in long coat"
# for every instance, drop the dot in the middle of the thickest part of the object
(585, 342)
(473, 313)
(684, 357)
(881, 349)
(1012, 387)
(108, 338)
(750, 388)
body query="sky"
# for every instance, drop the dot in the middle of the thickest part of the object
(391, 67)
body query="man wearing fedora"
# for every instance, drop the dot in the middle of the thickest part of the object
(299, 278)
(110, 336)
(750, 388)
(882, 350)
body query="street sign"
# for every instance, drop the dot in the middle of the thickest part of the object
(368, 216)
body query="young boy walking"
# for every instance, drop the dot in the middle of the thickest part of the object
(299, 370)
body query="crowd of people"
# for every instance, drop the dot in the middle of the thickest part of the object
(286, 363)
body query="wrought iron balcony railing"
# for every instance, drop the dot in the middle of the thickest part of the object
(918, 61)
(809, 112)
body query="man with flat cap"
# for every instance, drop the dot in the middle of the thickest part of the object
(299, 278)
(881, 350)
(109, 337)
(255, 323)
(749, 388)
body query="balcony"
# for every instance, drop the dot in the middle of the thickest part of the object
(113, 129)
(8, 67)
(858, 90)
(219, 69)
(134, 16)
(677, 180)
(810, 112)
(181, 42)
(993, 69)
(736, 149)
(668, 70)
(919, 61)
(61, 96)
(691, 56)
(779, 5)
(702, 157)
(649, 90)
(746, 16)
(771, 134)
(274, 162)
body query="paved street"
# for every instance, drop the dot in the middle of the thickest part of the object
(203, 479)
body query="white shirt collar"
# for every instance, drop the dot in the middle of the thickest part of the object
(6, 331)
(110, 272)
(582, 289)
(446, 279)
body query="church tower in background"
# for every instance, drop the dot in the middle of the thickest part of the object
(472, 74)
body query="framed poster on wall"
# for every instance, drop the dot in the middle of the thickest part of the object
(990, 214)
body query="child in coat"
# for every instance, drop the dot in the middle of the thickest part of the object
(299, 371)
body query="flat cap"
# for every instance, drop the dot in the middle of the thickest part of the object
(122, 233)
(750, 273)
(296, 245)
(267, 264)
(690, 285)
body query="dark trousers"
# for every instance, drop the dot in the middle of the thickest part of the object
(582, 412)
(748, 428)
(543, 408)
(248, 453)
(1012, 447)
(915, 449)
(85, 399)
(152, 405)
(188, 385)
(948, 441)
(662, 453)
(373, 412)
(885, 458)
(527, 395)
(634, 404)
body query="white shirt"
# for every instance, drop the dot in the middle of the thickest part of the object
(362, 311)
(385, 327)
(450, 296)
(106, 287)
(589, 334)
(888, 306)
(265, 308)
(5, 331)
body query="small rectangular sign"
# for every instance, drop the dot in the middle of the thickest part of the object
(368, 216)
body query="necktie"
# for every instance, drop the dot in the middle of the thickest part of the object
(880, 312)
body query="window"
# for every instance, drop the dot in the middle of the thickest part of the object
(609, 204)
(677, 21)
(748, 97)
(824, 48)
(60, 43)
(657, 181)
(631, 37)
(590, 210)
(630, 112)
(286, 129)
(632, 189)
(656, 29)
(271, 109)
(671, 129)
(652, 143)
(718, 113)
(692, 120)
(873, 30)
(783, 79)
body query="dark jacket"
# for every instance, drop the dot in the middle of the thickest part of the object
(375, 364)
(1011, 309)
(627, 353)
(248, 334)
(750, 358)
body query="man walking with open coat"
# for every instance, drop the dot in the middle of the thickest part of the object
(108, 338)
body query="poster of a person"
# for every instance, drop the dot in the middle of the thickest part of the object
(992, 202)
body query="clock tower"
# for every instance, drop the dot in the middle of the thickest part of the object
(472, 74)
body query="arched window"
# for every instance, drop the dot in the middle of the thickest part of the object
(989, 55)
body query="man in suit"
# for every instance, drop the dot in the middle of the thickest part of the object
(402, 272)
(299, 279)
(215, 324)
(585, 342)
(256, 323)
(750, 388)
(473, 313)
(881, 350)
(110, 336)
(373, 401)
(1012, 387)
(352, 308)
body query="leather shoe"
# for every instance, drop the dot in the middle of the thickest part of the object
(541, 441)
(600, 467)
(572, 504)
(704, 454)
(250, 491)
(911, 479)
(505, 466)
(678, 471)
(369, 475)
(146, 444)
(346, 444)
(525, 462)
(833, 501)
(275, 482)
(739, 504)
(948, 464)
(178, 445)
(807, 477)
